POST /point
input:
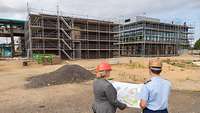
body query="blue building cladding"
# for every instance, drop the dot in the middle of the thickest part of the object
(5, 50)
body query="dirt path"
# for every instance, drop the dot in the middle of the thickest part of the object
(77, 98)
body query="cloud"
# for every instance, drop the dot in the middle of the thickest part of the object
(12, 9)
(100, 8)
(103, 9)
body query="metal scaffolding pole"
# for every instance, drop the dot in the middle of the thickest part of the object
(119, 39)
(99, 54)
(43, 39)
(109, 41)
(58, 34)
(30, 51)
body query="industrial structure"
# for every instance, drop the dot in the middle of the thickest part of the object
(150, 37)
(71, 37)
(13, 28)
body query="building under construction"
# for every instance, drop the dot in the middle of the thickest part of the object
(150, 37)
(83, 38)
(71, 37)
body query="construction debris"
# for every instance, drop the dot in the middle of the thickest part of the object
(65, 74)
(25, 63)
(182, 63)
(196, 63)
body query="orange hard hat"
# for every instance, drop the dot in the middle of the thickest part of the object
(104, 66)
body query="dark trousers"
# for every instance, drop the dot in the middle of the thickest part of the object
(146, 110)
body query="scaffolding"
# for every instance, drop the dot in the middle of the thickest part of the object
(71, 37)
(75, 37)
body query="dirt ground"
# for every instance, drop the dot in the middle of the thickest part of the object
(77, 97)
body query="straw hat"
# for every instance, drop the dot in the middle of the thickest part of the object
(155, 63)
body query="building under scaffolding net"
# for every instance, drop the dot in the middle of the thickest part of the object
(71, 37)
(150, 37)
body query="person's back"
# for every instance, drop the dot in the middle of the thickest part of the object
(105, 95)
(155, 92)
(99, 88)
(159, 91)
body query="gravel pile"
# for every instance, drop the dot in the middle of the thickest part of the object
(65, 74)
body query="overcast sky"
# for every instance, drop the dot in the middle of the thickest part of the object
(166, 10)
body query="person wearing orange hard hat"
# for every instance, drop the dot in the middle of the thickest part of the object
(105, 95)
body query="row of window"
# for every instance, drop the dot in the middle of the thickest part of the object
(150, 38)
(153, 33)
(166, 27)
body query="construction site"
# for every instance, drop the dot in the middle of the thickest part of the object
(49, 63)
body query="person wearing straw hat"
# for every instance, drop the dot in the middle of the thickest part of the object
(155, 92)
(105, 95)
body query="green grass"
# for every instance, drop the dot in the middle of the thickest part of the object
(136, 65)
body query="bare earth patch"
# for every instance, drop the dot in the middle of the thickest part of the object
(77, 97)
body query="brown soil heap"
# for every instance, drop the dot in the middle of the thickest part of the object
(65, 74)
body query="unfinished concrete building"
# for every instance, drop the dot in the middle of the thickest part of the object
(150, 37)
(70, 37)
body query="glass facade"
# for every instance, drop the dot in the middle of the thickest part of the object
(153, 38)
(159, 32)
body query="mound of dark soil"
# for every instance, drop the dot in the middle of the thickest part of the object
(65, 74)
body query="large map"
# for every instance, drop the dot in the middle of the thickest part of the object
(127, 93)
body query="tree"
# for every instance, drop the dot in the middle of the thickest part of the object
(197, 44)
